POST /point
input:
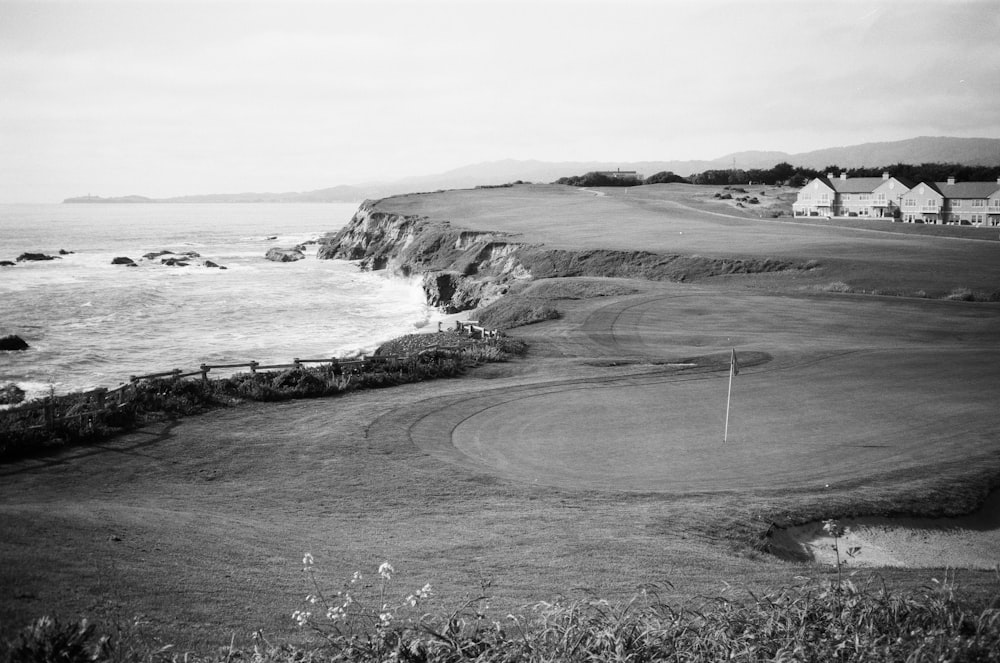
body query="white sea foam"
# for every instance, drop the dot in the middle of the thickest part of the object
(90, 323)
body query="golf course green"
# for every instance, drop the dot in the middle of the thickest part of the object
(867, 386)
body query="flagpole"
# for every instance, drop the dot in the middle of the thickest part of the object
(729, 398)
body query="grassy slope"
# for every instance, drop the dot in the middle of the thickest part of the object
(200, 525)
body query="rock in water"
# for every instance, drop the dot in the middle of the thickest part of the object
(284, 255)
(34, 256)
(11, 394)
(13, 342)
(122, 260)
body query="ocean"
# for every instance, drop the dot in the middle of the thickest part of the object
(93, 324)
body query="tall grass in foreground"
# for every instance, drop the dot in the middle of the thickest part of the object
(362, 622)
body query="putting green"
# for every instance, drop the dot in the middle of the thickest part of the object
(845, 390)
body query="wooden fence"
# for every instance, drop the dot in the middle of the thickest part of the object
(85, 407)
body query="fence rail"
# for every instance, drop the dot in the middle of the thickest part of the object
(53, 410)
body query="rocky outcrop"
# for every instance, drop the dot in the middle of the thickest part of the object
(284, 255)
(124, 260)
(210, 263)
(464, 269)
(34, 256)
(13, 342)
(11, 394)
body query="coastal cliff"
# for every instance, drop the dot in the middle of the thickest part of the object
(463, 269)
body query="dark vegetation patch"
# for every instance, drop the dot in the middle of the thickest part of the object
(570, 288)
(645, 265)
(515, 311)
(33, 431)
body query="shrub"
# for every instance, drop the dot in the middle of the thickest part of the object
(961, 295)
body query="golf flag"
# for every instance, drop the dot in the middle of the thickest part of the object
(734, 369)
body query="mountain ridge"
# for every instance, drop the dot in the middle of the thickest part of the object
(922, 149)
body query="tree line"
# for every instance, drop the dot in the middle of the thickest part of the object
(785, 173)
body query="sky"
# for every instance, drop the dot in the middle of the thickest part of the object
(174, 98)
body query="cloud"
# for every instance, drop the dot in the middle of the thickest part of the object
(181, 98)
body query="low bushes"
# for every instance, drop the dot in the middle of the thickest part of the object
(80, 420)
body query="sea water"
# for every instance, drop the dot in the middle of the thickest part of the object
(90, 323)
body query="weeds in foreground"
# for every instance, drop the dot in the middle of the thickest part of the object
(364, 622)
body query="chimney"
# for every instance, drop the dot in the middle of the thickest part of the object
(829, 176)
(885, 176)
(843, 176)
(951, 180)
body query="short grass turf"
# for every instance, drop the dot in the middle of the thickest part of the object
(198, 527)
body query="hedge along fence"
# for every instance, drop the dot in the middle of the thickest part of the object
(101, 412)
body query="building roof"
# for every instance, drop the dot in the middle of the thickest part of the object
(855, 184)
(967, 189)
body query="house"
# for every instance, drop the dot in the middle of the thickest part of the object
(968, 203)
(620, 174)
(870, 197)
(924, 203)
(951, 202)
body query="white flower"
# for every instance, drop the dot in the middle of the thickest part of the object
(301, 618)
(386, 570)
(424, 591)
(356, 577)
(307, 560)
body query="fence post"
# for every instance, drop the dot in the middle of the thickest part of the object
(298, 364)
(204, 372)
(253, 366)
(99, 396)
(176, 373)
(50, 413)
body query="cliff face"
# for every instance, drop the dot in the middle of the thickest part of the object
(461, 268)
(464, 269)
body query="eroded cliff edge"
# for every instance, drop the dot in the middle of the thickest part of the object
(463, 269)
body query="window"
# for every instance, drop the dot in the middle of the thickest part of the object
(911, 202)
(881, 198)
(995, 202)
(825, 198)
(978, 203)
(865, 196)
(930, 202)
(956, 203)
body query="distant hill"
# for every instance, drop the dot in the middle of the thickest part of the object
(925, 149)
(336, 194)
(967, 151)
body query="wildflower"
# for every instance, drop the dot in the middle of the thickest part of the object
(833, 528)
(301, 617)
(356, 577)
(386, 570)
(307, 560)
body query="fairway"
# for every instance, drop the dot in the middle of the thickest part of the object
(596, 462)
(833, 390)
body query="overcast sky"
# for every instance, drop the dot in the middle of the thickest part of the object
(174, 98)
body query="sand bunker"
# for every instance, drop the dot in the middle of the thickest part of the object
(968, 542)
